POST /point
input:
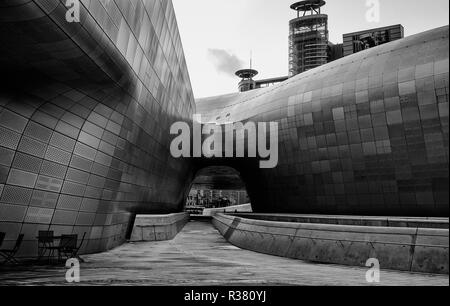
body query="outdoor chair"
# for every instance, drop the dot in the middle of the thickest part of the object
(68, 247)
(66, 243)
(9, 255)
(2, 237)
(77, 249)
(45, 242)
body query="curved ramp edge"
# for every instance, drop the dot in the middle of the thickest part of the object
(423, 250)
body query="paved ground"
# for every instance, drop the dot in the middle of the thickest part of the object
(200, 256)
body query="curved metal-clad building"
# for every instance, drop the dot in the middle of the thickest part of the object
(367, 134)
(86, 109)
(84, 118)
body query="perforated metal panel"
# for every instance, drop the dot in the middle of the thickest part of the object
(62, 142)
(21, 178)
(12, 121)
(38, 132)
(44, 199)
(73, 189)
(32, 147)
(63, 217)
(53, 170)
(48, 183)
(77, 176)
(6, 156)
(67, 202)
(39, 215)
(9, 139)
(16, 195)
(58, 156)
(81, 163)
(27, 163)
(12, 213)
(85, 219)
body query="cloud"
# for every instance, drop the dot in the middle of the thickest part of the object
(225, 62)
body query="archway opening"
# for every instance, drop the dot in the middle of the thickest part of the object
(217, 189)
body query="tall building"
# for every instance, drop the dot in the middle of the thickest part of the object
(308, 37)
(359, 41)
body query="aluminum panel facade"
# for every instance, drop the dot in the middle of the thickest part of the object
(365, 135)
(84, 115)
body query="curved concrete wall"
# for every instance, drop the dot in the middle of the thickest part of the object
(244, 208)
(438, 223)
(158, 227)
(408, 249)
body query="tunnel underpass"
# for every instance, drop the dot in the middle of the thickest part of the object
(217, 187)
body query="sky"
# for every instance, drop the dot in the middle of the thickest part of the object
(219, 36)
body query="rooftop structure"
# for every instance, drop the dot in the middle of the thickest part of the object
(247, 83)
(362, 40)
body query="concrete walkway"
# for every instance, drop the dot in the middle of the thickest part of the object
(200, 256)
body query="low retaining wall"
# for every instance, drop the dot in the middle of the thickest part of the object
(244, 208)
(397, 248)
(158, 227)
(439, 223)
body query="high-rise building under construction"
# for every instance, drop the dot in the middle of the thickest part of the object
(308, 37)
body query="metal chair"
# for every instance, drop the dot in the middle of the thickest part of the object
(76, 249)
(68, 247)
(45, 242)
(2, 237)
(9, 255)
(66, 243)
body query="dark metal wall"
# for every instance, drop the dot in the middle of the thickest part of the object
(366, 134)
(85, 111)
